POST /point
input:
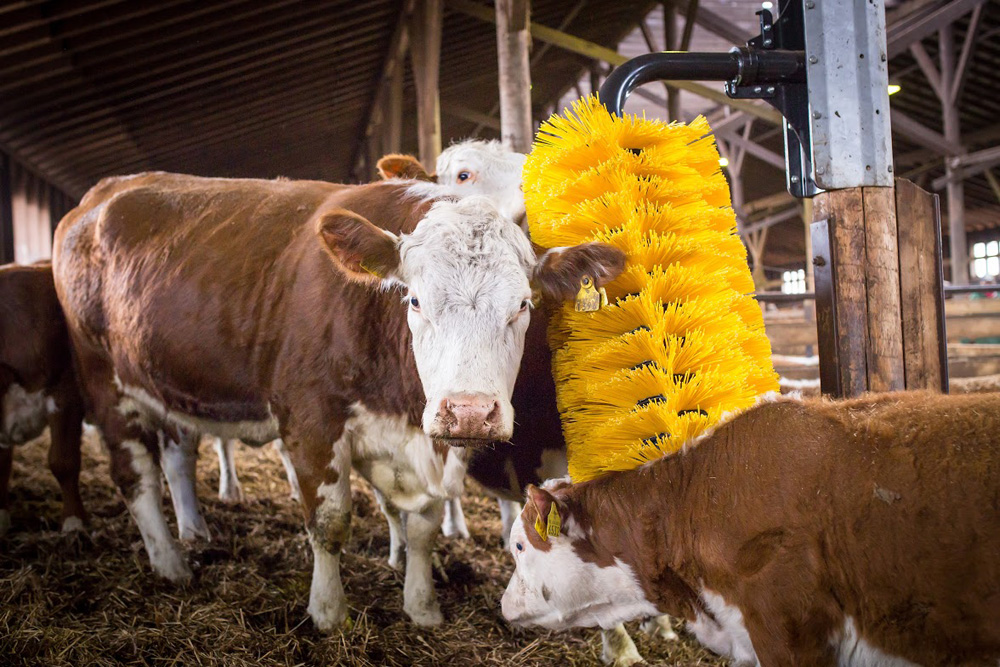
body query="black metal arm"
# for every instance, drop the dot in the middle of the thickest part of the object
(771, 67)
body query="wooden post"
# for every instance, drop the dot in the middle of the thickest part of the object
(392, 122)
(425, 51)
(513, 38)
(957, 243)
(925, 352)
(6, 211)
(868, 327)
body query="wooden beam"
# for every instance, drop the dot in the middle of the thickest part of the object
(919, 54)
(471, 115)
(994, 184)
(963, 61)
(909, 30)
(716, 24)
(921, 288)
(671, 43)
(388, 84)
(425, 50)
(923, 135)
(764, 154)
(772, 220)
(598, 52)
(690, 17)
(512, 21)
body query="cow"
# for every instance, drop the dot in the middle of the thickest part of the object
(816, 532)
(537, 450)
(37, 385)
(369, 325)
(466, 168)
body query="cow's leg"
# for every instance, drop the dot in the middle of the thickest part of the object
(617, 648)
(660, 626)
(136, 471)
(65, 433)
(180, 459)
(326, 503)
(419, 598)
(230, 490)
(286, 460)
(509, 511)
(397, 530)
(453, 524)
(6, 463)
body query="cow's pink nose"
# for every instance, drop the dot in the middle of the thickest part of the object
(474, 416)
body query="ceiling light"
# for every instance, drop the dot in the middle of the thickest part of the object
(723, 162)
(894, 88)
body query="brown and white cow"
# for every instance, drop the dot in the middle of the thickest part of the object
(37, 384)
(860, 532)
(363, 325)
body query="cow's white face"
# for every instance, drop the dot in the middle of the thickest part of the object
(487, 168)
(555, 587)
(468, 271)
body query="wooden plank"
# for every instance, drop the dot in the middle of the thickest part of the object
(6, 211)
(513, 40)
(425, 50)
(918, 285)
(844, 209)
(972, 307)
(885, 332)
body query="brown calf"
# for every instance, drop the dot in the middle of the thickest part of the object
(862, 532)
(37, 384)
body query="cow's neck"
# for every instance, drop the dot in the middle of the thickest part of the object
(643, 517)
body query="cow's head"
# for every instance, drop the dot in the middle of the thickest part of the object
(482, 167)
(468, 273)
(563, 581)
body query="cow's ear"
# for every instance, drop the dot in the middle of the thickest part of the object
(360, 249)
(560, 271)
(403, 166)
(548, 522)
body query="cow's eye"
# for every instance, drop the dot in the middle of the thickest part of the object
(525, 304)
(519, 546)
(414, 303)
(463, 176)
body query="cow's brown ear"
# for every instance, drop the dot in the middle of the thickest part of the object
(361, 250)
(549, 522)
(560, 271)
(403, 166)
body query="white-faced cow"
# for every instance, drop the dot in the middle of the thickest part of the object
(37, 384)
(351, 321)
(861, 532)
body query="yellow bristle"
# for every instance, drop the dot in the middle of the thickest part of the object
(682, 341)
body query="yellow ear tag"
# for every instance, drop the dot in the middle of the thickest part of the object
(540, 529)
(372, 271)
(590, 298)
(555, 523)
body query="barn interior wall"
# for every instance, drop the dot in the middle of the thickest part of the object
(33, 209)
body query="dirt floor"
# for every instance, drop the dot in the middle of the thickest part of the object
(90, 599)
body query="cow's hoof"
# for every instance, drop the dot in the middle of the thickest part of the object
(194, 533)
(231, 494)
(397, 559)
(72, 524)
(660, 627)
(4, 522)
(329, 617)
(173, 567)
(425, 616)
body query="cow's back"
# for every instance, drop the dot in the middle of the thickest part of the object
(177, 279)
(33, 341)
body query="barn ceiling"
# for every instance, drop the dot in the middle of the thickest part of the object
(90, 88)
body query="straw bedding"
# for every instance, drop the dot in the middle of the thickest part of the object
(90, 599)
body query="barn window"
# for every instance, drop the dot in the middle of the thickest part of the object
(986, 259)
(793, 282)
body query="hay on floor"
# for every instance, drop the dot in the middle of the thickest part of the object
(91, 599)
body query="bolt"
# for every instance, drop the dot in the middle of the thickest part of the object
(890, 168)
(757, 89)
(817, 115)
(767, 27)
(770, 90)
(820, 171)
(768, 42)
(810, 5)
(883, 57)
(813, 59)
(819, 260)
(794, 179)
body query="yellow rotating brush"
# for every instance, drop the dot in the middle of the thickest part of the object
(681, 341)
